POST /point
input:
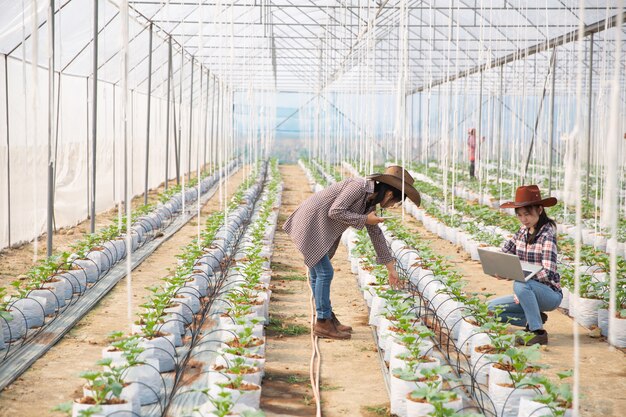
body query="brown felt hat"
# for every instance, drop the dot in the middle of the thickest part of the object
(396, 176)
(529, 195)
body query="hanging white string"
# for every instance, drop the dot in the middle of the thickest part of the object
(579, 137)
(128, 182)
(34, 99)
(611, 181)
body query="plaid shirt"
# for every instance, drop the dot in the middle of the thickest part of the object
(318, 223)
(542, 252)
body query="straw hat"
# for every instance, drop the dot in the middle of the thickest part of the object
(395, 176)
(529, 195)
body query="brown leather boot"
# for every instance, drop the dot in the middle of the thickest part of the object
(341, 327)
(326, 328)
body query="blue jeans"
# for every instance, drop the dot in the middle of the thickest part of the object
(534, 297)
(321, 277)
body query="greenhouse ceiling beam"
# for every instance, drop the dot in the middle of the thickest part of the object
(299, 36)
(389, 25)
(351, 7)
(27, 37)
(297, 24)
(181, 48)
(526, 52)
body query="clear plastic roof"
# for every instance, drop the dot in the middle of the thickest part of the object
(308, 45)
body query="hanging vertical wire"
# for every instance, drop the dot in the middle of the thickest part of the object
(578, 136)
(611, 182)
(126, 148)
(199, 132)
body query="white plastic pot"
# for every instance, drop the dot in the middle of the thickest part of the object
(246, 398)
(585, 310)
(399, 390)
(530, 408)
(117, 410)
(506, 400)
(396, 349)
(617, 332)
(480, 363)
(33, 309)
(52, 299)
(89, 267)
(419, 409)
(465, 336)
(13, 329)
(148, 381)
(129, 393)
(217, 374)
(377, 305)
(77, 279)
(162, 349)
(565, 300)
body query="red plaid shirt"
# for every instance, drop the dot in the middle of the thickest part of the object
(542, 252)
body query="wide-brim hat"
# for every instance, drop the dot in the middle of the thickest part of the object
(529, 195)
(397, 177)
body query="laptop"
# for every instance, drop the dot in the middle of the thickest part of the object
(505, 265)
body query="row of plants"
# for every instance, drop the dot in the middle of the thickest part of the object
(474, 226)
(171, 321)
(592, 233)
(433, 320)
(233, 386)
(589, 308)
(58, 281)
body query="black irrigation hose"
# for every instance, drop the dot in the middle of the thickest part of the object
(196, 335)
(77, 288)
(452, 354)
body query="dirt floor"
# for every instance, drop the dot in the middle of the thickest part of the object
(53, 379)
(602, 367)
(16, 261)
(286, 389)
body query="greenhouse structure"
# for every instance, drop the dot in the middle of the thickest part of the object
(328, 208)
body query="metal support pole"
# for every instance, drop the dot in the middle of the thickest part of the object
(180, 118)
(218, 118)
(479, 132)
(589, 108)
(145, 188)
(552, 123)
(206, 117)
(94, 119)
(6, 98)
(500, 125)
(190, 123)
(51, 37)
(167, 120)
(213, 124)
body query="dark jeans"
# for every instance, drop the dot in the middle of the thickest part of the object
(472, 169)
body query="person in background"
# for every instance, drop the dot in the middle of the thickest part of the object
(535, 242)
(471, 147)
(317, 224)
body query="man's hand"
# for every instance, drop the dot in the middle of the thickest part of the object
(394, 279)
(372, 219)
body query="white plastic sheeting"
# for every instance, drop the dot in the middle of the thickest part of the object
(72, 150)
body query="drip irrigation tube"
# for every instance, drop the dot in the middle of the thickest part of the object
(22, 357)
